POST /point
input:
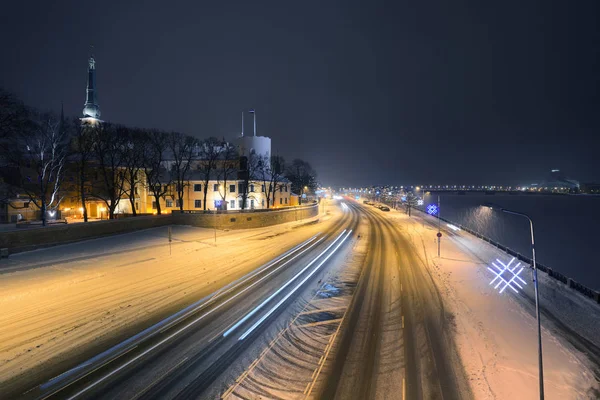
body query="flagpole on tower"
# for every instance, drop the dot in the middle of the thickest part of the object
(254, 114)
(242, 123)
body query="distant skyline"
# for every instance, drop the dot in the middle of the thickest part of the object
(367, 92)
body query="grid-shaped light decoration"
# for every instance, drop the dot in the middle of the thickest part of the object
(432, 209)
(507, 276)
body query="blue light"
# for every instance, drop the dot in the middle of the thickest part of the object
(432, 209)
(511, 274)
(403, 198)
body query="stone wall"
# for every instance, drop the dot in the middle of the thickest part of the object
(245, 220)
(33, 238)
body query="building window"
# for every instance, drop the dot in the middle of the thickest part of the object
(216, 187)
(262, 188)
(178, 203)
(241, 203)
(252, 204)
(263, 203)
(241, 188)
(285, 188)
(135, 190)
(198, 203)
(231, 188)
(280, 189)
(137, 206)
(231, 203)
(169, 203)
(197, 187)
(280, 200)
(154, 205)
(286, 200)
(252, 188)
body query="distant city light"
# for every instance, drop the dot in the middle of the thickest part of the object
(432, 209)
(511, 274)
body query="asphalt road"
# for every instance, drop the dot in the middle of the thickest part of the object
(183, 356)
(397, 341)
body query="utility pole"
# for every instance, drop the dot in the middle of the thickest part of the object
(439, 234)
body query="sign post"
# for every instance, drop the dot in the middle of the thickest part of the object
(170, 240)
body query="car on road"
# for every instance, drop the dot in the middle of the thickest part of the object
(384, 208)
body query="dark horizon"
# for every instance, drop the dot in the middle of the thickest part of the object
(448, 94)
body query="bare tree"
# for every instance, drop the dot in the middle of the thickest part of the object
(133, 158)
(210, 151)
(83, 148)
(410, 202)
(182, 150)
(227, 165)
(249, 167)
(40, 153)
(109, 147)
(269, 172)
(302, 176)
(157, 177)
(277, 175)
(14, 116)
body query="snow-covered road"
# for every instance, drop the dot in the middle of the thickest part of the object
(63, 304)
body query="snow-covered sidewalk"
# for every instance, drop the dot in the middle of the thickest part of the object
(497, 333)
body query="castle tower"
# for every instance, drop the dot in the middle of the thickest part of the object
(91, 109)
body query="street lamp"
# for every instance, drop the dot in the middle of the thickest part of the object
(537, 297)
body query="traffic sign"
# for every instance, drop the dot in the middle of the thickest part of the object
(439, 234)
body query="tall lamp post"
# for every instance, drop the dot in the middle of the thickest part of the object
(537, 297)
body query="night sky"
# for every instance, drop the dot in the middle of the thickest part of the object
(374, 92)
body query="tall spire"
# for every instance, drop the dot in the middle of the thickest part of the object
(91, 108)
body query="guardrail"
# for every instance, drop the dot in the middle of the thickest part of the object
(584, 290)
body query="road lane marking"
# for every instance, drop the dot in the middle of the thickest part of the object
(272, 310)
(268, 299)
(147, 389)
(318, 323)
(94, 370)
(316, 311)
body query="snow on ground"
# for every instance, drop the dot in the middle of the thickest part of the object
(497, 333)
(97, 291)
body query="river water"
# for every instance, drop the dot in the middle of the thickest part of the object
(566, 227)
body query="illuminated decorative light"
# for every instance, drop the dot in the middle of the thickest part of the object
(52, 213)
(512, 273)
(420, 202)
(432, 209)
